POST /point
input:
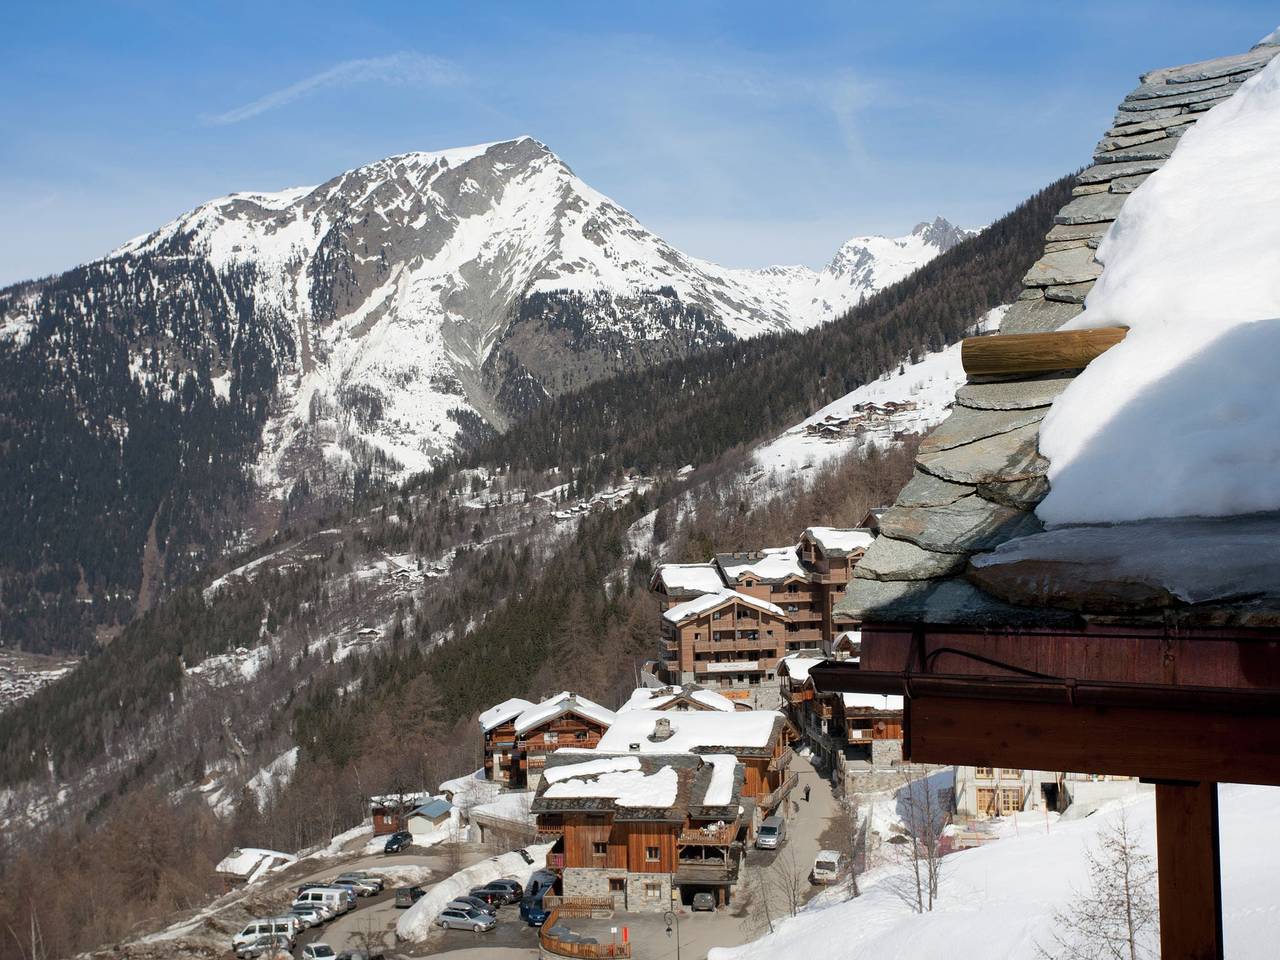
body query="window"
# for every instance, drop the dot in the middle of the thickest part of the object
(1011, 774)
(697, 636)
(1010, 800)
(986, 801)
(983, 773)
(652, 854)
(580, 735)
(652, 891)
(599, 849)
(617, 884)
(550, 737)
(716, 615)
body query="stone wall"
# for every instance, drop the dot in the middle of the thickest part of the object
(594, 882)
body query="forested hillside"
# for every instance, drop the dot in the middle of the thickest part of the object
(690, 410)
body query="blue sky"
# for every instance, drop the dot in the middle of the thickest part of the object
(747, 133)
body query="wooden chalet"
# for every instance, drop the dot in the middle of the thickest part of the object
(674, 583)
(830, 554)
(1081, 647)
(848, 734)
(518, 735)
(643, 831)
(777, 576)
(389, 811)
(721, 640)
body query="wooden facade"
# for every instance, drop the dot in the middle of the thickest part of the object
(732, 644)
(516, 758)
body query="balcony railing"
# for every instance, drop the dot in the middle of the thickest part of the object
(714, 838)
(783, 760)
(553, 946)
(770, 800)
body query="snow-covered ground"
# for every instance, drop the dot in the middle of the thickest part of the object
(999, 900)
(927, 388)
(1183, 417)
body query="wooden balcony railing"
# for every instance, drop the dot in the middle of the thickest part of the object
(555, 861)
(697, 835)
(783, 760)
(554, 946)
(770, 800)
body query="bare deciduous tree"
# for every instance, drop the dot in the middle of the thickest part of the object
(925, 812)
(1118, 917)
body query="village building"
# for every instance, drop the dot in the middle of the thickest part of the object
(722, 640)
(643, 831)
(518, 735)
(985, 792)
(756, 738)
(245, 865)
(388, 811)
(687, 697)
(1123, 618)
(796, 589)
(428, 818)
(849, 735)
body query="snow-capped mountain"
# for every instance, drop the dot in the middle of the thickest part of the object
(264, 347)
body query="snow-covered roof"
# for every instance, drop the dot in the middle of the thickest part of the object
(837, 542)
(402, 800)
(772, 565)
(657, 698)
(690, 578)
(798, 665)
(514, 805)
(871, 701)
(250, 863)
(563, 702)
(619, 779)
(720, 790)
(506, 710)
(708, 602)
(693, 731)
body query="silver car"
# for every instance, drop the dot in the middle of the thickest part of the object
(452, 918)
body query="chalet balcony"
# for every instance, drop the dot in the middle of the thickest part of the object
(704, 864)
(783, 760)
(771, 800)
(704, 836)
(797, 697)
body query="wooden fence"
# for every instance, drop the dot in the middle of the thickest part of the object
(579, 951)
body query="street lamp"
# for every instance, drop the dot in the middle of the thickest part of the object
(673, 918)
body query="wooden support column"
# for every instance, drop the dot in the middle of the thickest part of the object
(1190, 871)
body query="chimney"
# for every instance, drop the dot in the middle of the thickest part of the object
(661, 729)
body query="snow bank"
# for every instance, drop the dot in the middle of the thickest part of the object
(336, 845)
(1183, 418)
(998, 900)
(415, 923)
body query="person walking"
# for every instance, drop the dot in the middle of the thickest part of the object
(806, 793)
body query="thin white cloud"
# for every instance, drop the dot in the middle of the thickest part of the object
(399, 69)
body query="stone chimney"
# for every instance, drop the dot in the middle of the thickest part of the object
(661, 729)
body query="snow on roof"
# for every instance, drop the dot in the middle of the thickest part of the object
(614, 779)
(707, 602)
(654, 698)
(798, 665)
(694, 577)
(562, 702)
(774, 563)
(871, 701)
(409, 799)
(251, 861)
(720, 790)
(834, 540)
(1182, 417)
(691, 731)
(508, 806)
(506, 710)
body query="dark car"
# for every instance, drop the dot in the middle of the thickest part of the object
(525, 855)
(533, 910)
(398, 841)
(489, 895)
(408, 896)
(512, 887)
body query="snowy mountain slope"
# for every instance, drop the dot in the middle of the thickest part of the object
(999, 900)
(910, 399)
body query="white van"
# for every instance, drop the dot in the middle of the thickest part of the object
(336, 899)
(828, 866)
(275, 927)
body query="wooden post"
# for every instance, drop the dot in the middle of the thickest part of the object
(1024, 353)
(1190, 871)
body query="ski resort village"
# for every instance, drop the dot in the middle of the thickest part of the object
(438, 562)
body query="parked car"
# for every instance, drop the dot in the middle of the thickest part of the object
(257, 929)
(318, 951)
(773, 830)
(408, 896)
(268, 945)
(361, 886)
(453, 919)
(366, 877)
(525, 855)
(472, 903)
(311, 914)
(499, 891)
(398, 841)
(827, 867)
(704, 901)
(532, 909)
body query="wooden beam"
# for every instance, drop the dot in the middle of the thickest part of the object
(1190, 870)
(1019, 353)
(1140, 741)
